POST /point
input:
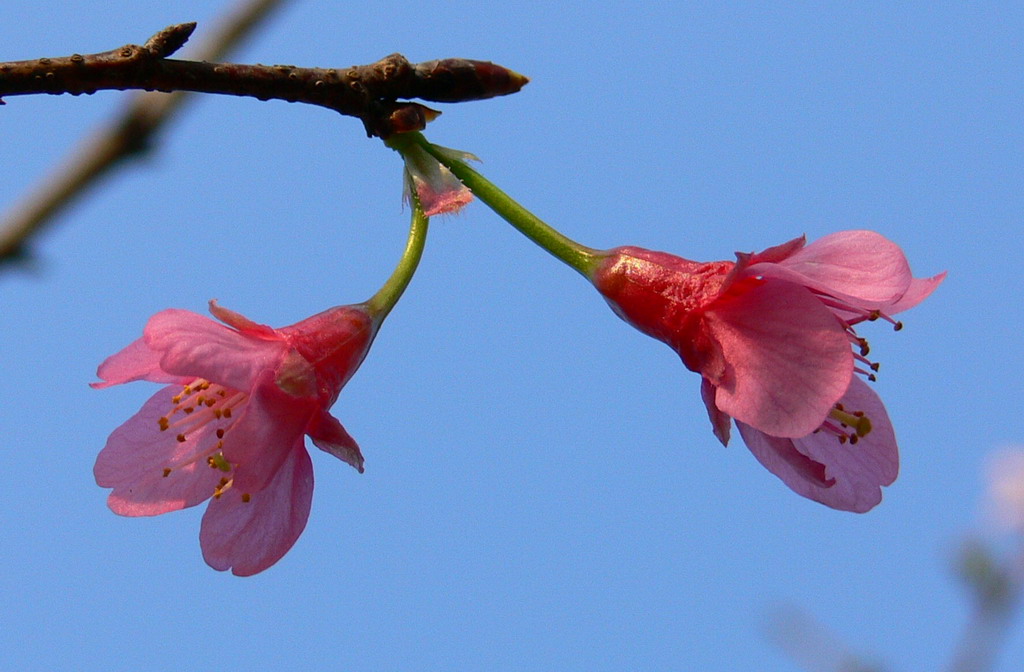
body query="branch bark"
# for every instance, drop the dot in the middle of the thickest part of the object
(369, 92)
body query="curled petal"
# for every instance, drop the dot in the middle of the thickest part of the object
(862, 267)
(844, 476)
(250, 536)
(785, 359)
(193, 345)
(721, 424)
(331, 437)
(776, 253)
(438, 189)
(919, 290)
(135, 362)
(240, 322)
(137, 453)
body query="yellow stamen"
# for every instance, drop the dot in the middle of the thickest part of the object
(860, 423)
(217, 460)
(222, 487)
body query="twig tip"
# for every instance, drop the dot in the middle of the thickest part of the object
(170, 39)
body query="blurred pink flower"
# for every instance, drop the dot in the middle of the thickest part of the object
(1006, 488)
(230, 425)
(439, 191)
(771, 336)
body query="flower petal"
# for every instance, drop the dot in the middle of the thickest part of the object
(136, 454)
(721, 424)
(250, 536)
(437, 187)
(919, 290)
(263, 434)
(135, 362)
(240, 322)
(330, 436)
(853, 474)
(193, 345)
(785, 359)
(776, 253)
(862, 267)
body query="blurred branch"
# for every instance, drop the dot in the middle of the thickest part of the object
(129, 135)
(996, 591)
(811, 645)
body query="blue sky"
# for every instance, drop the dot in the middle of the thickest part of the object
(542, 488)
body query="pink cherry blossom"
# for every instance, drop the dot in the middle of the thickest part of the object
(438, 189)
(1005, 492)
(771, 336)
(835, 465)
(230, 425)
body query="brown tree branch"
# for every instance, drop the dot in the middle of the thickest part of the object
(369, 92)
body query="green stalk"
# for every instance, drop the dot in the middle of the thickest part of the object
(381, 303)
(575, 255)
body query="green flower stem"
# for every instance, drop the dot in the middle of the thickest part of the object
(381, 303)
(578, 256)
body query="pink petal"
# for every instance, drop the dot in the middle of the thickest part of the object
(193, 345)
(861, 267)
(135, 362)
(241, 322)
(248, 537)
(919, 290)
(437, 187)
(721, 424)
(786, 358)
(136, 454)
(776, 253)
(263, 434)
(330, 436)
(852, 475)
(444, 196)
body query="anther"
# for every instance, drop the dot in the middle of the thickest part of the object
(220, 433)
(167, 472)
(897, 326)
(858, 421)
(246, 497)
(181, 438)
(164, 423)
(217, 460)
